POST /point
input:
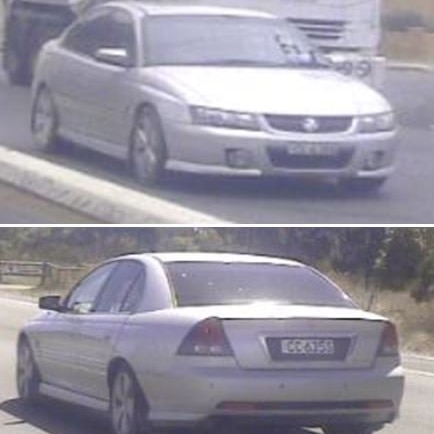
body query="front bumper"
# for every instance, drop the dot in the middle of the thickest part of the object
(220, 151)
(295, 397)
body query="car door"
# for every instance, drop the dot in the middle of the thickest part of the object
(114, 91)
(58, 340)
(94, 95)
(100, 329)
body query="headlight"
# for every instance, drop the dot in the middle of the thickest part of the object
(376, 123)
(222, 118)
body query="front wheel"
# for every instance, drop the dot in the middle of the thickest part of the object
(44, 121)
(27, 373)
(128, 412)
(148, 150)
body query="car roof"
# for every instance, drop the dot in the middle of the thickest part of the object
(169, 257)
(190, 9)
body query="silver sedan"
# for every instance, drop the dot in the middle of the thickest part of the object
(213, 340)
(208, 90)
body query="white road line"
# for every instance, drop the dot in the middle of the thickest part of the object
(420, 373)
(418, 357)
(101, 199)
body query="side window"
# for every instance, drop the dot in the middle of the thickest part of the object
(119, 287)
(121, 34)
(111, 29)
(83, 296)
(83, 37)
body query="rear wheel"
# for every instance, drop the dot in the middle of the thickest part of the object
(128, 411)
(44, 121)
(27, 373)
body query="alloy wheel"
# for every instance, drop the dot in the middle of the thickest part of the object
(123, 404)
(148, 150)
(44, 121)
(27, 376)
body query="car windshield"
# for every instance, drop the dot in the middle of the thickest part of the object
(215, 283)
(227, 40)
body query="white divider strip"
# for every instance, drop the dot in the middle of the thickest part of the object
(100, 199)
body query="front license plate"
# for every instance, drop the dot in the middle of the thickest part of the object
(303, 346)
(311, 149)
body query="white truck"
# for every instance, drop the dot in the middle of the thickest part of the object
(348, 31)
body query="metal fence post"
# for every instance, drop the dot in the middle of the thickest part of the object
(45, 271)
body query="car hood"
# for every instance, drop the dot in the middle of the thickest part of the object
(269, 90)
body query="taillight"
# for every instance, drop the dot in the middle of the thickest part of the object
(207, 338)
(389, 341)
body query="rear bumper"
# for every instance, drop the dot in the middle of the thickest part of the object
(290, 397)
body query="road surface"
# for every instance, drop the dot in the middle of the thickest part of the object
(19, 207)
(54, 418)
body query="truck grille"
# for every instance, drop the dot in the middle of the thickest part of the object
(280, 158)
(297, 124)
(320, 30)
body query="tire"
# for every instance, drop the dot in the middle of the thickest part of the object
(128, 409)
(27, 374)
(44, 121)
(16, 67)
(351, 429)
(362, 185)
(147, 150)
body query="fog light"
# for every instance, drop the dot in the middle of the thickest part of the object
(374, 161)
(238, 158)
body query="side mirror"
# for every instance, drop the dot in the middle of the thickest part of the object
(50, 302)
(113, 56)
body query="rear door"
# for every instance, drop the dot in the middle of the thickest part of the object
(93, 96)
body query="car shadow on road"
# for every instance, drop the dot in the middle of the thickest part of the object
(54, 417)
(264, 188)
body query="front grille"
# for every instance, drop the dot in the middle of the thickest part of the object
(320, 30)
(281, 158)
(297, 124)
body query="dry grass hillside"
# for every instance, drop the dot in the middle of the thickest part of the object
(415, 321)
(415, 45)
(424, 6)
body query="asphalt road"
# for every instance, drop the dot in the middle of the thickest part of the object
(406, 199)
(19, 207)
(54, 418)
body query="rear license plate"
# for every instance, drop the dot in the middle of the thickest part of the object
(311, 149)
(307, 346)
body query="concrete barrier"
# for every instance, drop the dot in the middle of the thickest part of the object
(100, 199)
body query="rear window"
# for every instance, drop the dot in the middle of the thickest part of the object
(216, 283)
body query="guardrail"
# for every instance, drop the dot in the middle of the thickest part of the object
(49, 274)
